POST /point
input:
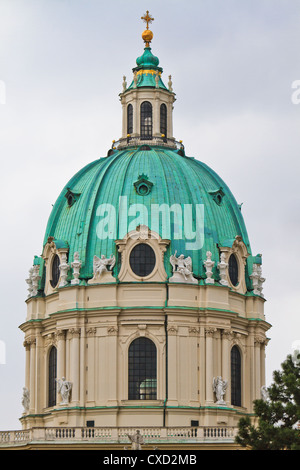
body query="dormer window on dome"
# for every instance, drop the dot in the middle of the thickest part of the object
(217, 195)
(143, 186)
(71, 197)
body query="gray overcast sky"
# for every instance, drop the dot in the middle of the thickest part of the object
(232, 63)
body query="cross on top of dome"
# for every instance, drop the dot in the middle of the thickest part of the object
(147, 35)
(147, 18)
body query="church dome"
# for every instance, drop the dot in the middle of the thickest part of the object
(151, 177)
(146, 291)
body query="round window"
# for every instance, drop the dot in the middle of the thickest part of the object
(233, 270)
(142, 259)
(143, 190)
(55, 271)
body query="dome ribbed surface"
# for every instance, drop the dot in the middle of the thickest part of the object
(175, 179)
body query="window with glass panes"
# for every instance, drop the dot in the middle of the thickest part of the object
(146, 120)
(142, 259)
(236, 386)
(142, 373)
(52, 377)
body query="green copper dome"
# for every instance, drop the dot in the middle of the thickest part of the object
(147, 60)
(146, 70)
(147, 176)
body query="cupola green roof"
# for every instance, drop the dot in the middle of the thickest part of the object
(173, 179)
(146, 71)
(147, 61)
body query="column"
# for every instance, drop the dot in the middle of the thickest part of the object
(74, 334)
(193, 360)
(156, 115)
(61, 353)
(172, 366)
(170, 120)
(124, 119)
(38, 366)
(257, 357)
(202, 368)
(136, 115)
(112, 342)
(82, 366)
(26, 345)
(209, 353)
(225, 371)
(32, 374)
(91, 373)
(262, 363)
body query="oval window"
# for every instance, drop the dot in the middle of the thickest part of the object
(233, 270)
(142, 260)
(55, 271)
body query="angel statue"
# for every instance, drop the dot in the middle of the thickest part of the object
(136, 440)
(184, 272)
(220, 387)
(101, 266)
(26, 399)
(64, 388)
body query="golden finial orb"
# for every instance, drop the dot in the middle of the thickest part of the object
(147, 35)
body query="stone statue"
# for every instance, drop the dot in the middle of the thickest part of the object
(220, 387)
(124, 84)
(209, 264)
(26, 399)
(35, 279)
(76, 265)
(264, 393)
(184, 272)
(101, 267)
(64, 388)
(170, 83)
(257, 279)
(29, 282)
(135, 79)
(222, 266)
(136, 440)
(64, 268)
(261, 280)
(156, 79)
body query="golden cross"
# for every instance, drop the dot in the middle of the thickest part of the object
(147, 18)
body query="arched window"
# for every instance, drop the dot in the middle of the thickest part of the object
(233, 270)
(163, 119)
(142, 370)
(55, 271)
(129, 119)
(146, 120)
(52, 376)
(236, 369)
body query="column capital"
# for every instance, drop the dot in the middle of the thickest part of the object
(210, 332)
(91, 331)
(74, 332)
(112, 330)
(60, 335)
(227, 334)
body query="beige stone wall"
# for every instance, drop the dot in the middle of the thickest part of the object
(92, 341)
(193, 327)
